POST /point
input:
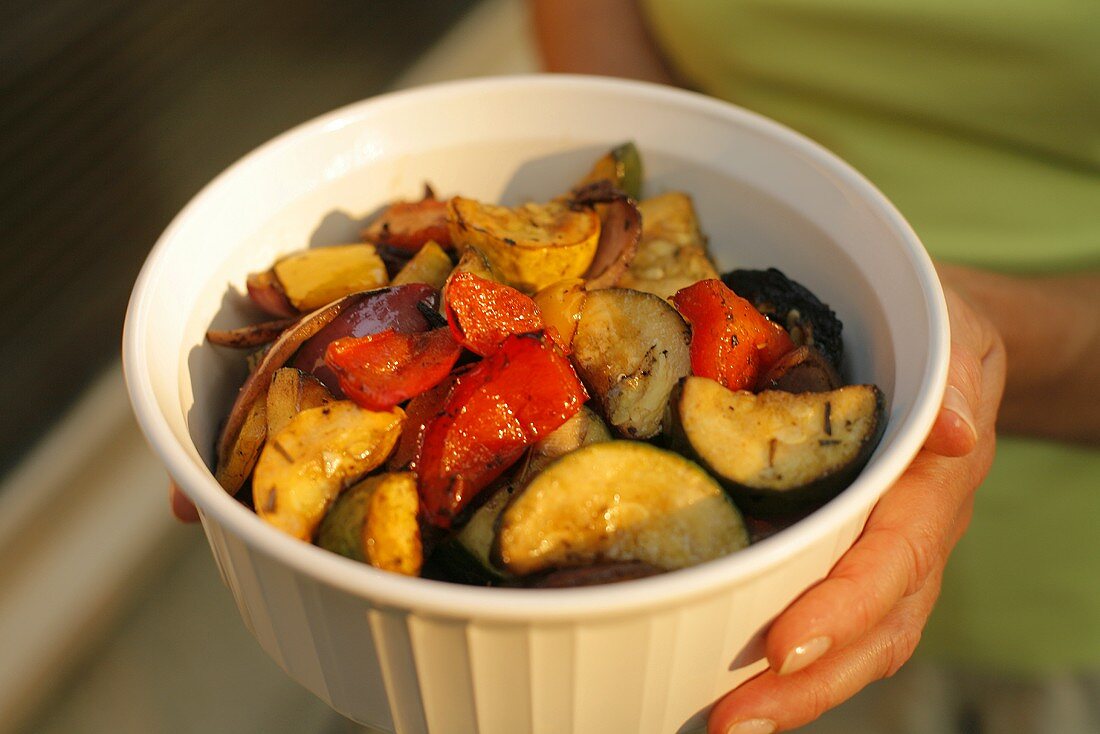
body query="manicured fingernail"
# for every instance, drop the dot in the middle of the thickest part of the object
(752, 726)
(804, 654)
(954, 401)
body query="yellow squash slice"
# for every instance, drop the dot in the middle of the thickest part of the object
(375, 522)
(312, 278)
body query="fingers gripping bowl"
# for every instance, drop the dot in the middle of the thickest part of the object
(413, 655)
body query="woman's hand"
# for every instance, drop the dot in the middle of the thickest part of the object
(865, 619)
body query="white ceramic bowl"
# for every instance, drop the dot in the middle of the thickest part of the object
(411, 655)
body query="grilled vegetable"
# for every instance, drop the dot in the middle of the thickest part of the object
(631, 348)
(266, 292)
(731, 342)
(482, 314)
(622, 166)
(419, 414)
(672, 252)
(312, 278)
(399, 308)
(381, 370)
(409, 225)
(501, 405)
(233, 440)
(430, 265)
(235, 462)
(620, 233)
(560, 305)
(291, 392)
(618, 501)
(305, 466)
(530, 246)
(810, 322)
(251, 336)
(779, 452)
(801, 370)
(376, 522)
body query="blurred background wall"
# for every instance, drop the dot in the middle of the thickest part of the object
(114, 113)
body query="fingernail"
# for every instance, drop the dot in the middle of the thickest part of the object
(804, 654)
(752, 726)
(954, 401)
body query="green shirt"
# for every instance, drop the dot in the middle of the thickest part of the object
(981, 121)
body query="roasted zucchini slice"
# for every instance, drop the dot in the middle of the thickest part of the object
(376, 522)
(305, 466)
(790, 304)
(618, 501)
(779, 452)
(431, 265)
(531, 245)
(312, 278)
(291, 392)
(631, 348)
(672, 253)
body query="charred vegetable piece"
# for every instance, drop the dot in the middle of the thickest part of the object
(618, 501)
(291, 392)
(596, 575)
(259, 380)
(530, 246)
(468, 552)
(501, 405)
(376, 522)
(779, 452)
(312, 278)
(266, 292)
(398, 308)
(409, 225)
(251, 336)
(560, 305)
(730, 341)
(631, 348)
(622, 166)
(620, 233)
(801, 370)
(672, 253)
(430, 265)
(305, 467)
(419, 414)
(482, 314)
(381, 370)
(236, 462)
(788, 303)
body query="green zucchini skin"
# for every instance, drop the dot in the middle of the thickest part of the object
(618, 501)
(778, 453)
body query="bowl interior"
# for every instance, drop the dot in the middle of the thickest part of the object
(765, 197)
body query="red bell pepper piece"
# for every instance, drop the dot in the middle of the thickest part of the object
(381, 370)
(505, 402)
(482, 314)
(409, 225)
(731, 341)
(419, 414)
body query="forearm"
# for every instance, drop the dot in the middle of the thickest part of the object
(1051, 330)
(606, 37)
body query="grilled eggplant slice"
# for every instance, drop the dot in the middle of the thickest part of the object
(532, 245)
(631, 348)
(305, 466)
(429, 265)
(376, 522)
(778, 452)
(810, 322)
(312, 278)
(672, 253)
(618, 501)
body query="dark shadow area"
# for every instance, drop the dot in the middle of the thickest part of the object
(115, 113)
